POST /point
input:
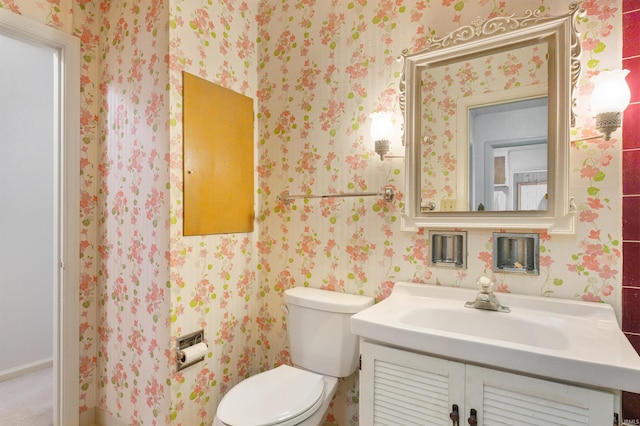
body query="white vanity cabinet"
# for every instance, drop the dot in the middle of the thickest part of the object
(399, 387)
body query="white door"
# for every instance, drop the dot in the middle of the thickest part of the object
(532, 196)
(399, 388)
(504, 399)
(40, 117)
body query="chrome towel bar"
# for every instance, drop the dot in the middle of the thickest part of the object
(388, 194)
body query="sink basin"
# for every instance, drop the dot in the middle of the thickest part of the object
(486, 324)
(566, 340)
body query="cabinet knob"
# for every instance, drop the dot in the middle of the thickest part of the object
(455, 415)
(473, 417)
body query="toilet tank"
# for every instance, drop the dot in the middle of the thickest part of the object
(319, 328)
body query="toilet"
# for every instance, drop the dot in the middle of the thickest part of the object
(322, 350)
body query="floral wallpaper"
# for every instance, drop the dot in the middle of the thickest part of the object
(133, 274)
(215, 282)
(316, 69)
(86, 28)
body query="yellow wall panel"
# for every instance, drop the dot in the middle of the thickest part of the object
(218, 159)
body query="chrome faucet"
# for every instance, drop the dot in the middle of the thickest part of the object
(485, 299)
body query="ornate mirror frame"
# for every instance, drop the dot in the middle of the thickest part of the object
(488, 35)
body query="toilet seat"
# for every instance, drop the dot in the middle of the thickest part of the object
(283, 396)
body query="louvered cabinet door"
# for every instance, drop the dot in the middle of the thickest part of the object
(400, 388)
(503, 399)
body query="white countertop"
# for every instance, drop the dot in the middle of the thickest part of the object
(564, 340)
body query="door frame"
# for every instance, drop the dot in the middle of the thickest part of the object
(66, 363)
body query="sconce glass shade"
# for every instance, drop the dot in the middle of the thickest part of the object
(610, 97)
(381, 131)
(611, 92)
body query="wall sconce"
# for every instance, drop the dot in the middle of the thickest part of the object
(609, 99)
(381, 131)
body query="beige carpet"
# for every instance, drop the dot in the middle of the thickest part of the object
(27, 400)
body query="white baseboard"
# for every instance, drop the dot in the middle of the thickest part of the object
(21, 370)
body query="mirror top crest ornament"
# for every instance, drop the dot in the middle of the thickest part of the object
(555, 39)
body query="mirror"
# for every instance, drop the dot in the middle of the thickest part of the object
(488, 111)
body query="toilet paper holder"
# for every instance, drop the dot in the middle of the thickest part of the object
(185, 342)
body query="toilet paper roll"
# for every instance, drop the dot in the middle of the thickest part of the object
(192, 353)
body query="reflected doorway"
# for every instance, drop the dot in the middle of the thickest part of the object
(508, 151)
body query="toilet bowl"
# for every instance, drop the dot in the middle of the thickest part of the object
(284, 396)
(322, 350)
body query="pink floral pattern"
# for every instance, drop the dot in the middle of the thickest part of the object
(133, 299)
(316, 71)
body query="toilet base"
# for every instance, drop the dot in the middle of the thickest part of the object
(317, 418)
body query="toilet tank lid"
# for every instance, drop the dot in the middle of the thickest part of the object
(326, 300)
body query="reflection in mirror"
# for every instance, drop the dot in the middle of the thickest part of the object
(488, 110)
(508, 156)
(476, 83)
